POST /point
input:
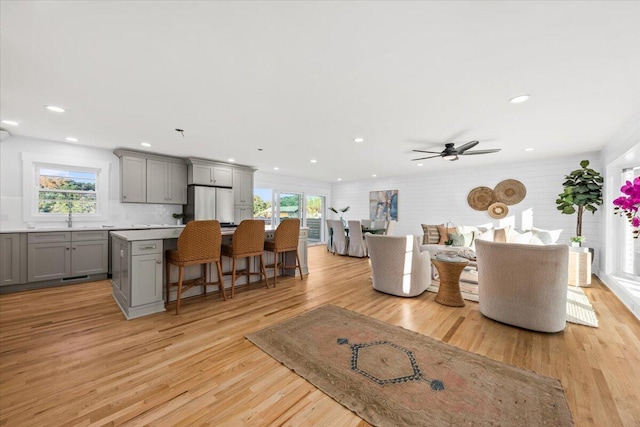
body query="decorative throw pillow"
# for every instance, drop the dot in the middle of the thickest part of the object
(431, 234)
(500, 234)
(547, 237)
(515, 236)
(461, 239)
(444, 233)
(486, 235)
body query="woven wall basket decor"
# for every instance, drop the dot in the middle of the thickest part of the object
(480, 198)
(510, 191)
(498, 210)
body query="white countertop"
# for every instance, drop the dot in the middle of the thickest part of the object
(167, 233)
(92, 228)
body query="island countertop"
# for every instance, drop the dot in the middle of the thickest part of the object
(170, 233)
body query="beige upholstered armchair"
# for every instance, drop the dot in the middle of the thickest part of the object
(523, 285)
(399, 268)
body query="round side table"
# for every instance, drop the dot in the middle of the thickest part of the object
(449, 291)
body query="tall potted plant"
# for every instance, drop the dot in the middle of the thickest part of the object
(582, 191)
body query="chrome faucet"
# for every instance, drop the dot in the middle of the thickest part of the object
(70, 219)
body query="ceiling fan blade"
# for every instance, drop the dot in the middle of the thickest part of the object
(465, 147)
(430, 157)
(423, 151)
(492, 150)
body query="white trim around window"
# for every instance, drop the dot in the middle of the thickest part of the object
(32, 161)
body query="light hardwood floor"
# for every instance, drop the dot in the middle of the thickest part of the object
(68, 356)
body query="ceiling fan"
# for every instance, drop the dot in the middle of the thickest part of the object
(451, 153)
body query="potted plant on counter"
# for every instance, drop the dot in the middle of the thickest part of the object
(178, 217)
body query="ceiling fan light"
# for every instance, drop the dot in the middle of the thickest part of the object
(450, 157)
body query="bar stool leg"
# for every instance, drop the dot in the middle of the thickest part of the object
(221, 281)
(233, 277)
(180, 277)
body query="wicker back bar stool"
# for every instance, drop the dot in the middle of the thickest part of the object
(285, 240)
(199, 243)
(247, 242)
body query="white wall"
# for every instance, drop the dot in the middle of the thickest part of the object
(437, 197)
(278, 182)
(11, 185)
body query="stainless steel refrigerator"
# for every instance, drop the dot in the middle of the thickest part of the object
(209, 203)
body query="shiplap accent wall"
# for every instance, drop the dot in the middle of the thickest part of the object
(437, 197)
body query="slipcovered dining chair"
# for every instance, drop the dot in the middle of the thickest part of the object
(247, 242)
(285, 240)
(198, 244)
(523, 285)
(391, 226)
(329, 236)
(357, 245)
(340, 238)
(398, 266)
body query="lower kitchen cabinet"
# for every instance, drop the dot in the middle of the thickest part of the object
(67, 255)
(13, 259)
(138, 262)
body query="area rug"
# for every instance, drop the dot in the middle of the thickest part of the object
(390, 376)
(579, 309)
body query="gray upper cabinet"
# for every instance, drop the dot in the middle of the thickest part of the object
(133, 179)
(166, 182)
(243, 187)
(203, 172)
(147, 178)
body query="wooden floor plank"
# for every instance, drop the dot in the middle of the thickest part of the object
(68, 356)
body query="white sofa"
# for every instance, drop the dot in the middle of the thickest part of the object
(468, 235)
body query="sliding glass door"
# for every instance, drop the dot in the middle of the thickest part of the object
(288, 205)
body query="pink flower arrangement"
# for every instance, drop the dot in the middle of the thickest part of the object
(629, 203)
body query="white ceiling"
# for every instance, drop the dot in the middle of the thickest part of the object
(301, 80)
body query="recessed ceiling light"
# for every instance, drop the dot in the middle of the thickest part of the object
(420, 164)
(54, 108)
(358, 139)
(71, 139)
(231, 160)
(529, 149)
(145, 144)
(313, 161)
(519, 99)
(339, 179)
(276, 168)
(10, 122)
(374, 175)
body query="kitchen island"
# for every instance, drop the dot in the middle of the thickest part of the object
(137, 258)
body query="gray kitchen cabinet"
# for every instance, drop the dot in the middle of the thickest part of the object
(166, 182)
(13, 260)
(138, 262)
(133, 179)
(66, 255)
(202, 172)
(148, 178)
(121, 275)
(243, 187)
